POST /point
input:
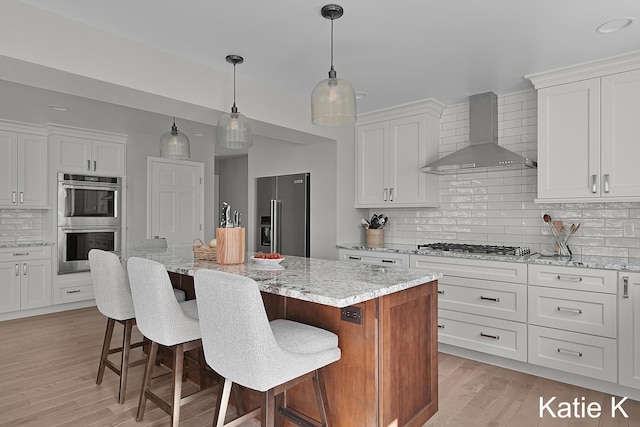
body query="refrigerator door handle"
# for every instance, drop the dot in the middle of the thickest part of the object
(275, 226)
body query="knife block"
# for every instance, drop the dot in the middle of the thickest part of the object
(230, 245)
(374, 237)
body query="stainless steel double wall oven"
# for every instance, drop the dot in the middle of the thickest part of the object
(89, 216)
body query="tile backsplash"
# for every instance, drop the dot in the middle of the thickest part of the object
(19, 225)
(499, 208)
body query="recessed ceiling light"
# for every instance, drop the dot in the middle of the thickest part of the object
(58, 107)
(198, 134)
(614, 25)
(360, 95)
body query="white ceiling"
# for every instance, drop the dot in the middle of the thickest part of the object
(396, 51)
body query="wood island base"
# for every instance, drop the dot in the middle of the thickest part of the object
(388, 373)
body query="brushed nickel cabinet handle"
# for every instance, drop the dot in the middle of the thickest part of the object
(88, 165)
(569, 278)
(389, 261)
(384, 195)
(20, 253)
(489, 299)
(441, 292)
(13, 197)
(391, 194)
(594, 184)
(24, 269)
(572, 352)
(17, 268)
(441, 326)
(95, 165)
(493, 337)
(75, 291)
(357, 258)
(625, 287)
(21, 197)
(571, 310)
(606, 182)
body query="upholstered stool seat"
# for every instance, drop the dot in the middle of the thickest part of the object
(164, 321)
(245, 348)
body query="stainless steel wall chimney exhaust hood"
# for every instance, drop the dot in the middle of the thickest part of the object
(483, 152)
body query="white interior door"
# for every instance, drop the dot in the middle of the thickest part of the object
(176, 193)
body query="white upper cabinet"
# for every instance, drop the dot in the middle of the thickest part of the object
(24, 170)
(588, 131)
(88, 155)
(392, 145)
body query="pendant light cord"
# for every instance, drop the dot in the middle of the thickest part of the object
(234, 109)
(332, 43)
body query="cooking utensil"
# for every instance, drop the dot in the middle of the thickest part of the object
(563, 249)
(364, 223)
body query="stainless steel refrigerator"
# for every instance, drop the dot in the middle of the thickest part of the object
(283, 214)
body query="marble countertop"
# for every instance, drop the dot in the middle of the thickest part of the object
(24, 244)
(608, 263)
(328, 282)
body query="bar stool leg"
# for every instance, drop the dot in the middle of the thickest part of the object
(124, 364)
(318, 385)
(105, 349)
(268, 414)
(146, 381)
(178, 370)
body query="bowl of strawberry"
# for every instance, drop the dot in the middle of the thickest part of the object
(267, 259)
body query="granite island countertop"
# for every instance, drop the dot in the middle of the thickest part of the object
(328, 282)
(24, 244)
(607, 263)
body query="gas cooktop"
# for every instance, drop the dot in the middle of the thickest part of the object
(477, 249)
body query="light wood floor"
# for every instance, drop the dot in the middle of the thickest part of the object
(48, 366)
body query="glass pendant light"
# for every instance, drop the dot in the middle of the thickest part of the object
(333, 101)
(174, 144)
(234, 129)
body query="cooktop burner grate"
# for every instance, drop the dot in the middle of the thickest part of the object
(477, 249)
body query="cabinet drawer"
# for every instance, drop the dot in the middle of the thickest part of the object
(587, 312)
(74, 293)
(514, 272)
(25, 253)
(492, 336)
(373, 257)
(495, 299)
(581, 354)
(583, 279)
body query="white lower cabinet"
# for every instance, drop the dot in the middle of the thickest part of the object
(581, 354)
(480, 333)
(629, 333)
(25, 278)
(482, 305)
(374, 257)
(573, 320)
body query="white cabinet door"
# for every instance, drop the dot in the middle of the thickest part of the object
(108, 158)
(86, 156)
(569, 140)
(372, 182)
(8, 169)
(620, 132)
(35, 284)
(33, 171)
(73, 154)
(629, 329)
(9, 286)
(408, 152)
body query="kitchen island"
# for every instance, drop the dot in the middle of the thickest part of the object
(385, 319)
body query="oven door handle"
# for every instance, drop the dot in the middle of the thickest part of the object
(89, 229)
(92, 186)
